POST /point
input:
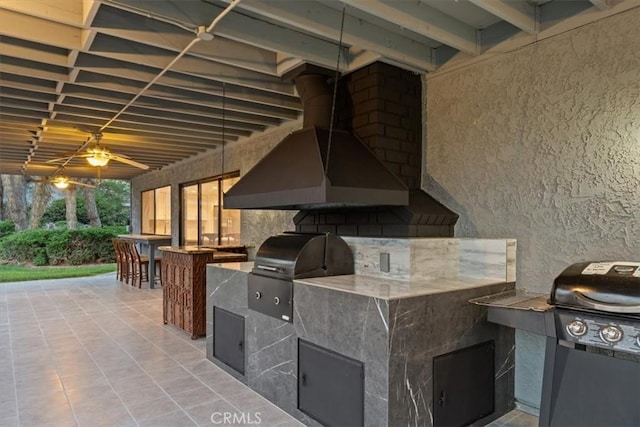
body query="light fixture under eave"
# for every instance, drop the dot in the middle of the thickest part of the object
(98, 157)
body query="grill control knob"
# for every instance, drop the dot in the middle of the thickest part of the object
(577, 328)
(258, 295)
(611, 334)
(276, 300)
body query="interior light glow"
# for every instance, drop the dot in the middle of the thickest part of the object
(98, 158)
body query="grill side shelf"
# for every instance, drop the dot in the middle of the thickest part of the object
(520, 310)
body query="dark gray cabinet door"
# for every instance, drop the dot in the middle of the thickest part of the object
(330, 386)
(228, 338)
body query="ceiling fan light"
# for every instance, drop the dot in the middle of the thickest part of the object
(61, 183)
(98, 160)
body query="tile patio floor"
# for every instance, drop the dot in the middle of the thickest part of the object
(94, 352)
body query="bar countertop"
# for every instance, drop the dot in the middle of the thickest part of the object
(218, 255)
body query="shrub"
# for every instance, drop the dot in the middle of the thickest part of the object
(6, 228)
(59, 247)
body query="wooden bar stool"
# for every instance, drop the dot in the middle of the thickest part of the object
(139, 265)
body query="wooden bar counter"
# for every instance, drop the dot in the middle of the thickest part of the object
(184, 284)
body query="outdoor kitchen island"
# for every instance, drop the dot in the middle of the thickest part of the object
(374, 347)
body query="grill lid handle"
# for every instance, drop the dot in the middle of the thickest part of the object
(266, 267)
(603, 306)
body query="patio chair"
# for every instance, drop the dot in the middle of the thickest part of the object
(122, 263)
(139, 265)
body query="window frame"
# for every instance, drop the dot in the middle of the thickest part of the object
(199, 183)
(154, 191)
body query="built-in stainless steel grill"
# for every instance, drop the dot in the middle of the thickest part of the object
(285, 257)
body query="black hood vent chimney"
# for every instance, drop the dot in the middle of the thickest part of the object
(307, 171)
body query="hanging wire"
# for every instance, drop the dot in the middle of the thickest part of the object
(223, 123)
(335, 92)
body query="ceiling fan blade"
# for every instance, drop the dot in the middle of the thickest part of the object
(119, 155)
(129, 161)
(67, 156)
(82, 184)
(60, 159)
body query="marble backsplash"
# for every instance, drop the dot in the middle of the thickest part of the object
(434, 258)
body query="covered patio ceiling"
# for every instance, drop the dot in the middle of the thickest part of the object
(70, 69)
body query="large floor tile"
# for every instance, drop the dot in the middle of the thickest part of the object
(152, 408)
(195, 397)
(174, 419)
(93, 352)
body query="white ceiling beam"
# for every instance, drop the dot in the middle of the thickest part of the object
(362, 58)
(89, 10)
(519, 13)
(32, 72)
(69, 12)
(278, 39)
(177, 90)
(244, 29)
(38, 30)
(323, 21)
(82, 95)
(128, 52)
(522, 39)
(602, 4)
(126, 25)
(31, 53)
(424, 20)
(153, 116)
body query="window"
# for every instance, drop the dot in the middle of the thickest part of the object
(204, 220)
(156, 211)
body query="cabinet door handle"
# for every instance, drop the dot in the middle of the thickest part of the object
(303, 379)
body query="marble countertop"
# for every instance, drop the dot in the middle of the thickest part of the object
(389, 289)
(378, 287)
(236, 266)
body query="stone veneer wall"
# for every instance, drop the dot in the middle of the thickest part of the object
(543, 145)
(241, 155)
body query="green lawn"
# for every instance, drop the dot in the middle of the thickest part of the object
(20, 273)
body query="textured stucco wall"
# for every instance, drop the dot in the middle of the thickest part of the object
(543, 145)
(241, 155)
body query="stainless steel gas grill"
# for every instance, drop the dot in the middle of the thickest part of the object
(592, 358)
(285, 257)
(592, 365)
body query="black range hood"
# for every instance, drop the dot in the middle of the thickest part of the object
(304, 171)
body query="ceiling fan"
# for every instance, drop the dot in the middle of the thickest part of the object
(62, 181)
(100, 156)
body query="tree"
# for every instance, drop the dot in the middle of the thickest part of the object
(1, 201)
(112, 197)
(90, 205)
(15, 191)
(70, 205)
(41, 197)
(112, 201)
